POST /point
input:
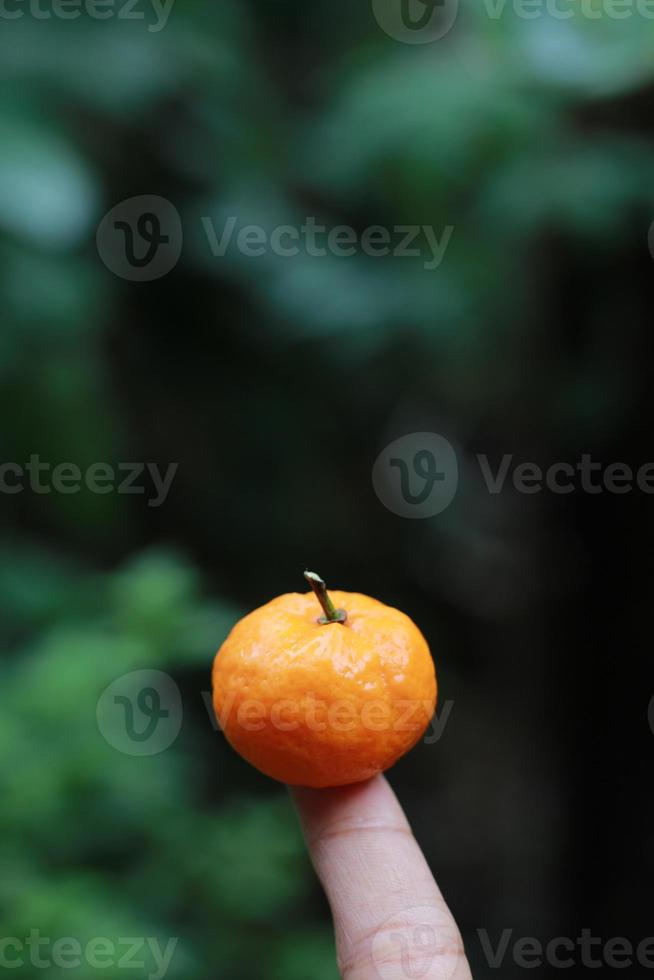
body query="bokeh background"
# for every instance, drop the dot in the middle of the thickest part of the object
(274, 383)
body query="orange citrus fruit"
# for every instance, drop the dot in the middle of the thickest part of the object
(324, 700)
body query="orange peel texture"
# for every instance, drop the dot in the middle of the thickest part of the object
(314, 704)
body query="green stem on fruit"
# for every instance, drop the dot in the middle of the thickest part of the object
(332, 614)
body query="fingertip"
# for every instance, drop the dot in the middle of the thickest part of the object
(377, 881)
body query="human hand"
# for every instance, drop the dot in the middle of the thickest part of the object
(390, 918)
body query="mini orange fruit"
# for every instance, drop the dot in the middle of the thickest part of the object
(325, 700)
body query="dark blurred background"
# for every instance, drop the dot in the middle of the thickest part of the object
(274, 383)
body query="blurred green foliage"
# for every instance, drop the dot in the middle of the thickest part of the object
(98, 843)
(527, 136)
